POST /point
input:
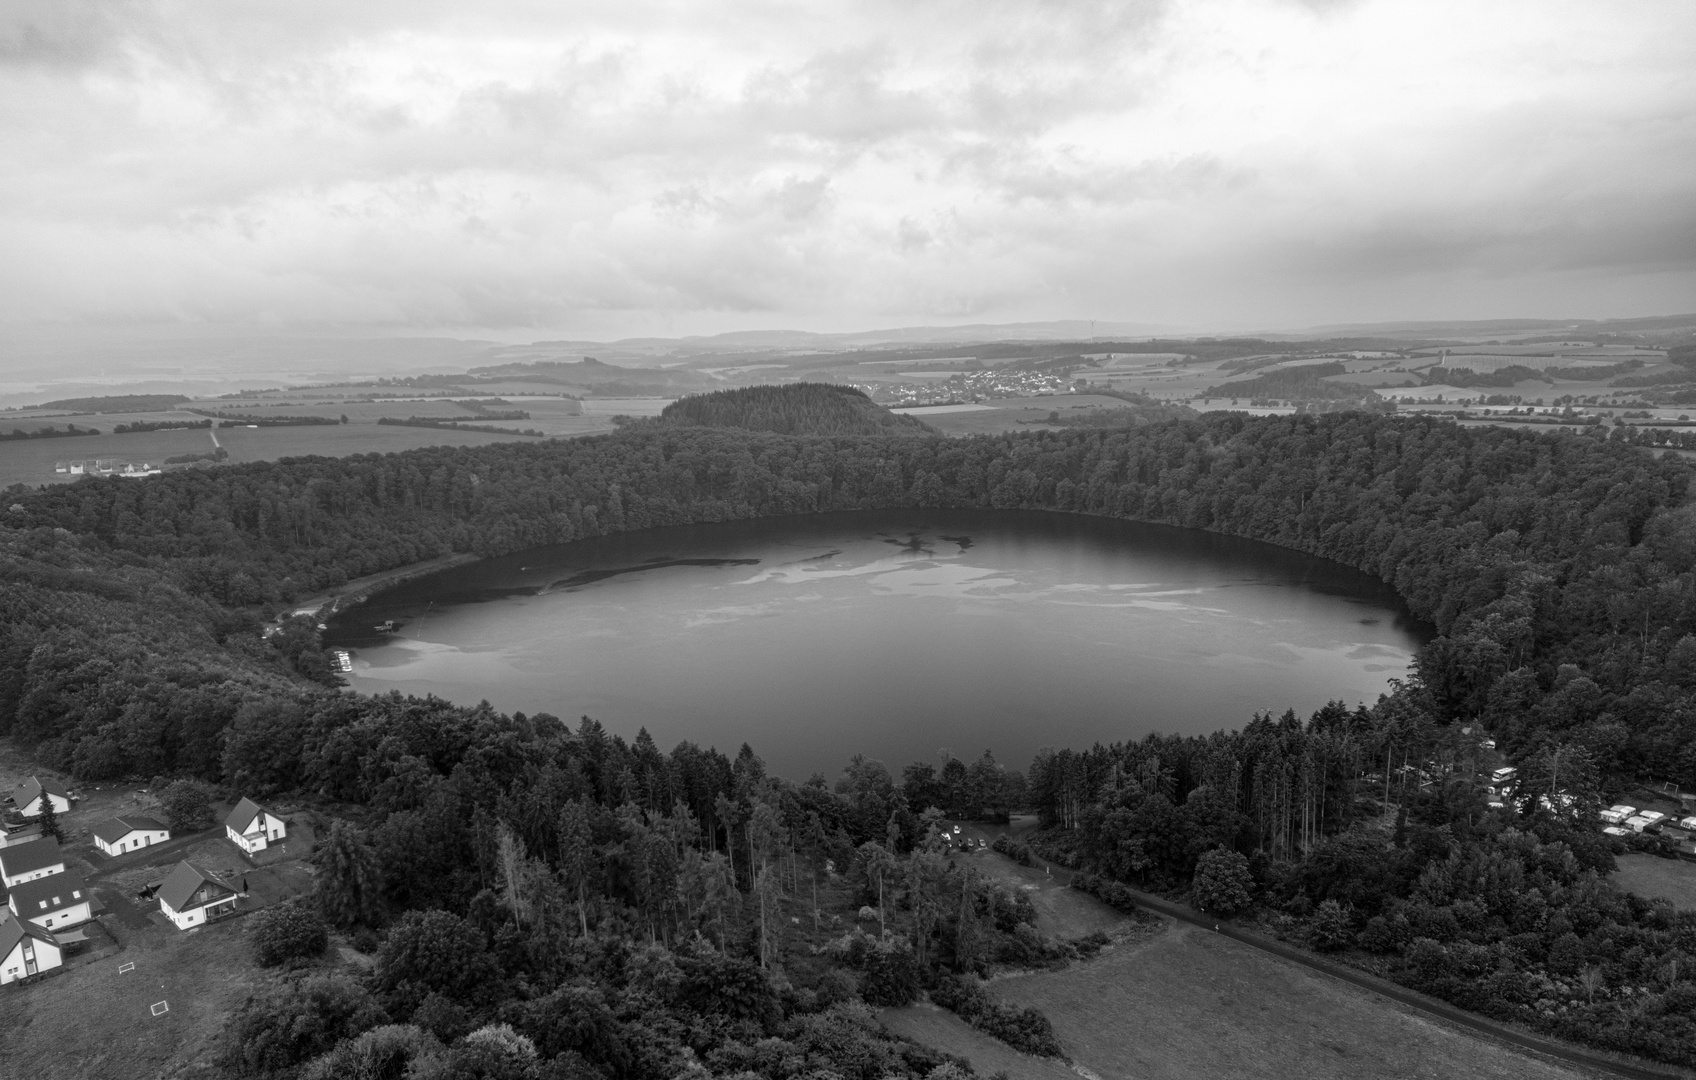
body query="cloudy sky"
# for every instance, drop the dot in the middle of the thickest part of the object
(620, 167)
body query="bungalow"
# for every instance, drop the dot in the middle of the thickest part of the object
(25, 949)
(190, 897)
(52, 903)
(31, 791)
(253, 828)
(127, 833)
(26, 862)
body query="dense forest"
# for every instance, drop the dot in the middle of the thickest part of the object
(792, 409)
(640, 890)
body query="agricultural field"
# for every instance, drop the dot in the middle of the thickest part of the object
(999, 415)
(1184, 1003)
(32, 461)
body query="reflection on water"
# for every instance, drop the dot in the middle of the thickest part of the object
(892, 634)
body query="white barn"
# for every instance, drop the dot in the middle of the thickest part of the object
(26, 949)
(26, 862)
(190, 897)
(253, 828)
(127, 833)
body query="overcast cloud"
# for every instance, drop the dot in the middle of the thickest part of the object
(624, 167)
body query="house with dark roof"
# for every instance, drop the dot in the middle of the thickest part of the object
(128, 832)
(30, 794)
(23, 834)
(191, 897)
(54, 902)
(26, 862)
(26, 949)
(253, 828)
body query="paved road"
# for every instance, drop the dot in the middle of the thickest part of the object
(1501, 1032)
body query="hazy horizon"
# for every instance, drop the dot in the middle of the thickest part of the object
(618, 170)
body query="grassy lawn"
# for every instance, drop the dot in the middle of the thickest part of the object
(1183, 1003)
(1186, 1004)
(93, 1022)
(1655, 878)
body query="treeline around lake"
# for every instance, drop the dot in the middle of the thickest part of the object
(628, 912)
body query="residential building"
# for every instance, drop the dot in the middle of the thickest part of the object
(127, 833)
(253, 828)
(53, 902)
(26, 949)
(30, 793)
(191, 897)
(26, 862)
(23, 834)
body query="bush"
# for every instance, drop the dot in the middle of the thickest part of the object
(284, 932)
(1013, 849)
(187, 805)
(395, 1050)
(1330, 929)
(1026, 1030)
(278, 1028)
(1223, 884)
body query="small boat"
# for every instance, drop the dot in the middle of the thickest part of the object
(387, 626)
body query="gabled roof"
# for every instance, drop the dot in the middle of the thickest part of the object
(27, 858)
(34, 786)
(243, 814)
(186, 878)
(119, 827)
(68, 887)
(13, 930)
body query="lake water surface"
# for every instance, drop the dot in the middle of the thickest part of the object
(894, 634)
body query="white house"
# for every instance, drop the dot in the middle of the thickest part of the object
(127, 833)
(253, 828)
(190, 897)
(25, 949)
(23, 834)
(30, 793)
(54, 902)
(26, 862)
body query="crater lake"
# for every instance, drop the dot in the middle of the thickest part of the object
(894, 634)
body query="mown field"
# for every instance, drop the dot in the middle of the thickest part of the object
(1183, 1003)
(1650, 876)
(1015, 414)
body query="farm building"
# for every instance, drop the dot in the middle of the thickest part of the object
(127, 833)
(26, 862)
(25, 949)
(21, 835)
(190, 897)
(52, 902)
(253, 828)
(31, 791)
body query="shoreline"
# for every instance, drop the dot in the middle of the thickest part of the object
(362, 588)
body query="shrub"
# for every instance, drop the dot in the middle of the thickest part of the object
(1223, 884)
(187, 805)
(1013, 849)
(1330, 930)
(394, 1050)
(889, 975)
(1026, 1030)
(284, 932)
(284, 1025)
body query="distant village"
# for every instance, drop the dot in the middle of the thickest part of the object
(49, 902)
